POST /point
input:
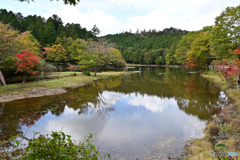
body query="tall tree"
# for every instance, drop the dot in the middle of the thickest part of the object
(7, 37)
(57, 21)
(56, 54)
(33, 30)
(50, 33)
(226, 32)
(26, 41)
(183, 46)
(97, 54)
(170, 58)
(200, 49)
(95, 31)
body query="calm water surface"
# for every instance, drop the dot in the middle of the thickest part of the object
(148, 115)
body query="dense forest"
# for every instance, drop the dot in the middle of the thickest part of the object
(32, 45)
(197, 49)
(46, 31)
(55, 43)
(147, 47)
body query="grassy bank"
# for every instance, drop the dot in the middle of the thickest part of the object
(50, 86)
(223, 129)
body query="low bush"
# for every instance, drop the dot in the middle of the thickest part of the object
(57, 146)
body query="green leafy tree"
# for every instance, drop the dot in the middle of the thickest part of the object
(56, 54)
(226, 32)
(40, 23)
(183, 47)
(94, 54)
(159, 60)
(95, 31)
(7, 46)
(200, 49)
(146, 58)
(50, 33)
(76, 48)
(57, 21)
(170, 57)
(33, 29)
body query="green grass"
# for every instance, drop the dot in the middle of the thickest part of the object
(65, 81)
(210, 73)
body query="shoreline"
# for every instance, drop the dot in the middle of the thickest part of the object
(224, 128)
(42, 88)
(154, 65)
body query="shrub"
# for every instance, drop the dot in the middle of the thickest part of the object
(46, 68)
(57, 146)
(88, 73)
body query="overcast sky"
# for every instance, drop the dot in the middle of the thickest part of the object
(115, 16)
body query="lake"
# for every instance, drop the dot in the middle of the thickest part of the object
(148, 115)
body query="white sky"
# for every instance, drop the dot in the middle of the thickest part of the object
(115, 16)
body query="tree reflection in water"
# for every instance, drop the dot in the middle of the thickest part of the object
(193, 95)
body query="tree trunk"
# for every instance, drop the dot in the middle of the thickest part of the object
(24, 78)
(237, 84)
(1, 109)
(2, 78)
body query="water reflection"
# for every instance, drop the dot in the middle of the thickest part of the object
(152, 103)
(153, 113)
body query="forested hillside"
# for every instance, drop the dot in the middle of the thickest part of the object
(46, 31)
(174, 46)
(147, 47)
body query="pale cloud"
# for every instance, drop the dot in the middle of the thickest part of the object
(160, 19)
(114, 16)
(111, 15)
(107, 23)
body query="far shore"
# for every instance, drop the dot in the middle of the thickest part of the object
(154, 65)
(52, 86)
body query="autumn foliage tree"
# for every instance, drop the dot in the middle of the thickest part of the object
(25, 63)
(230, 68)
(26, 41)
(56, 54)
(191, 63)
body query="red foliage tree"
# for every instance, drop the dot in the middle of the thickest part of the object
(25, 63)
(191, 63)
(230, 69)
